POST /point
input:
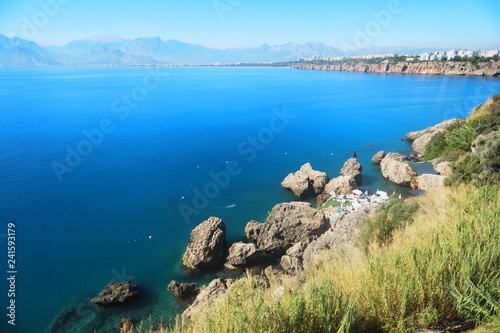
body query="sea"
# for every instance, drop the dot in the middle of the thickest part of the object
(104, 171)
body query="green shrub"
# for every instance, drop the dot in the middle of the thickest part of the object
(460, 139)
(436, 147)
(488, 150)
(391, 215)
(464, 169)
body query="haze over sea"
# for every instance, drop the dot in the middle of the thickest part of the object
(116, 215)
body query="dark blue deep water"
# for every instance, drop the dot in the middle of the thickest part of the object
(96, 162)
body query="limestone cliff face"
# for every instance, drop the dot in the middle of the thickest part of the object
(428, 68)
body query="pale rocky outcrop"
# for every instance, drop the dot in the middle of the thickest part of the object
(342, 232)
(252, 230)
(115, 293)
(240, 254)
(378, 157)
(353, 169)
(339, 185)
(349, 180)
(422, 138)
(306, 182)
(428, 181)
(427, 68)
(215, 289)
(291, 262)
(289, 223)
(206, 245)
(444, 168)
(398, 172)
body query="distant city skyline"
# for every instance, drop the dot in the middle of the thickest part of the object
(242, 23)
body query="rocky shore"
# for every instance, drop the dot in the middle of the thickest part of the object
(425, 68)
(297, 233)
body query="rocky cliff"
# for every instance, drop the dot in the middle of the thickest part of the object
(428, 68)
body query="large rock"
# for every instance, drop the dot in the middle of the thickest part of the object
(306, 182)
(289, 223)
(428, 181)
(206, 245)
(421, 138)
(397, 171)
(378, 157)
(183, 290)
(215, 289)
(444, 168)
(344, 227)
(115, 293)
(240, 254)
(352, 169)
(252, 230)
(291, 262)
(350, 180)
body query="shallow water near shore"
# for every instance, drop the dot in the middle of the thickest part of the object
(168, 134)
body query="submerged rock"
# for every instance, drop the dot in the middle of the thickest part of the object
(183, 291)
(306, 182)
(378, 157)
(240, 254)
(115, 293)
(206, 245)
(289, 223)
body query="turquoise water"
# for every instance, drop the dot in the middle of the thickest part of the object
(159, 136)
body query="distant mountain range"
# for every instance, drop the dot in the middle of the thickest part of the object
(114, 50)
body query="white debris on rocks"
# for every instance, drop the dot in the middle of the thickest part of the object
(357, 199)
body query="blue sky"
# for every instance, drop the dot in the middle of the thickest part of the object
(238, 23)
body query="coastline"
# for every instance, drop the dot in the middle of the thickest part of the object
(448, 68)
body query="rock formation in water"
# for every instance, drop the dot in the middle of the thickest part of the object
(241, 254)
(378, 157)
(289, 223)
(306, 182)
(397, 171)
(115, 293)
(349, 180)
(183, 291)
(206, 245)
(422, 138)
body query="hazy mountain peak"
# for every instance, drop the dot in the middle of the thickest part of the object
(104, 39)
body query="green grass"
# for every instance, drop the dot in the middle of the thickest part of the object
(331, 203)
